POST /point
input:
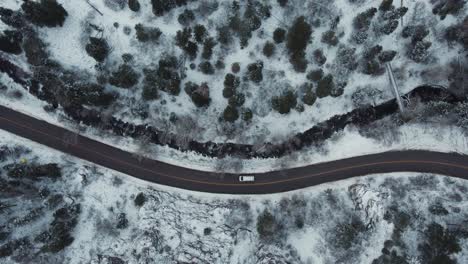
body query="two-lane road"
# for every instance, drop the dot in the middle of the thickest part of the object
(55, 137)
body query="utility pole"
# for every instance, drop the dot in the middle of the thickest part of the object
(395, 90)
(401, 5)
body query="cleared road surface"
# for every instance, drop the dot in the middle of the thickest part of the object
(450, 164)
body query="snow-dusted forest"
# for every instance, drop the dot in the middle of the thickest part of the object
(58, 209)
(233, 86)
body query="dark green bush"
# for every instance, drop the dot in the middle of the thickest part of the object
(247, 115)
(325, 86)
(186, 17)
(10, 42)
(166, 78)
(267, 226)
(298, 36)
(200, 94)
(47, 13)
(279, 35)
(309, 98)
(330, 38)
(362, 21)
(237, 100)
(315, 75)
(124, 77)
(208, 46)
(230, 114)
(387, 55)
(319, 58)
(254, 71)
(200, 33)
(269, 49)
(146, 34)
(97, 48)
(140, 199)
(134, 5)
(284, 103)
(206, 67)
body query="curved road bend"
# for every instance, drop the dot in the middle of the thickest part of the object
(55, 137)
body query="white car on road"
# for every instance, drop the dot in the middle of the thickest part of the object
(246, 178)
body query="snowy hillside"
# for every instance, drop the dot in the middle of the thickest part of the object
(86, 214)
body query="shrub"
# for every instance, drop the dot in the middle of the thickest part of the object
(160, 7)
(231, 81)
(372, 52)
(86, 93)
(325, 86)
(140, 200)
(269, 49)
(362, 21)
(329, 38)
(230, 84)
(10, 42)
(200, 33)
(298, 61)
(283, 104)
(166, 78)
(254, 71)
(207, 231)
(134, 5)
(389, 27)
(309, 98)
(319, 58)
(237, 100)
(279, 35)
(183, 41)
(267, 226)
(372, 67)
(386, 5)
(122, 221)
(224, 35)
(145, 34)
(200, 94)
(446, 7)
(124, 77)
(228, 92)
(235, 67)
(97, 48)
(458, 33)
(150, 92)
(387, 55)
(230, 114)
(220, 64)
(12, 18)
(416, 32)
(282, 3)
(298, 36)
(208, 46)
(315, 75)
(347, 58)
(59, 235)
(419, 52)
(439, 245)
(206, 67)
(247, 115)
(47, 13)
(186, 17)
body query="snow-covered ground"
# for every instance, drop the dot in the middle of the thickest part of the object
(346, 221)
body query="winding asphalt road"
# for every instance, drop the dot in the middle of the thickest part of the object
(450, 164)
